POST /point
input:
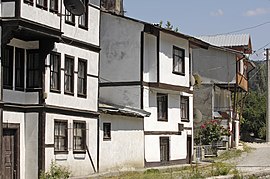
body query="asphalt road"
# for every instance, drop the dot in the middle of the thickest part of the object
(257, 160)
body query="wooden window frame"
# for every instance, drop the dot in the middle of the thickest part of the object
(82, 78)
(177, 59)
(162, 98)
(71, 91)
(30, 2)
(168, 149)
(107, 128)
(19, 69)
(7, 65)
(83, 137)
(65, 123)
(55, 57)
(33, 70)
(54, 9)
(184, 106)
(85, 15)
(67, 20)
(43, 5)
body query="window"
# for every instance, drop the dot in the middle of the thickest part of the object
(79, 136)
(83, 19)
(69, 18)
(19, 69)
(82, 77)
(31, 2)
(162, 107)
(33, 69)
(69, 74)
(42, 4)
(55, 64)
(178, 60)
(60, 136)
(184, 108)
(54, 5)
(106, 131)
(7, 67)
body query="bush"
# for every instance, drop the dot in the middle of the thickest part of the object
(56, 172)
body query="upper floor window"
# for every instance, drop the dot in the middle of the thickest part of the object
(178, 60)
(79, 136)
(82, 77)
(69, 74)
(55, 64)
(54, 5)
(60, 136)
(42, 4)
(7, 67)
(69, 18)
(33, 69)
(162, 107)
(19, 69)
(83, 19)
(184, 108)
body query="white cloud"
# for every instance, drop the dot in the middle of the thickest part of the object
(218, 12)
(256, 12)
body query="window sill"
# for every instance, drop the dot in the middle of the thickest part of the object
(185, 120)
(162, 120)
(69, 93)
(79, 152)
(83, 27)
(54, 11)
(70, 23)
(60, 152)
(33, 89)
(107, 139)
(42, 7)
(7, 87)
(81, 95)
(29, 3)
(55, 91)
(178, 73)
(19, 89)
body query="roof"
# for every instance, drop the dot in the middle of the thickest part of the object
(231, 40)
(122, 110)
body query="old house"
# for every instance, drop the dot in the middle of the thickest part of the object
(147, 67)
(49, 91)
(223, 69)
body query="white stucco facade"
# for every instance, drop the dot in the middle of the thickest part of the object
(125, 149)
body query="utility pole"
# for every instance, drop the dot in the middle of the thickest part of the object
(268, 98)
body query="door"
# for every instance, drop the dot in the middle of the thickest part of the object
(10, 154)
(164, 149)
(189, 149)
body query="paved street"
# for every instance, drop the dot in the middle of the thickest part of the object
(257, 160)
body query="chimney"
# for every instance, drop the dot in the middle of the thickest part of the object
(115, 6)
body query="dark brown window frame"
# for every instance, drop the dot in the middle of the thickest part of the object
(55, 56)
(163, 98)
(84, 78)
(67, 21)
(65, 151)
(161, 142)
(33, 70)
(42, 6)
(107, 128)
(85, 2)
(184, 105)
(19, 69)
(30, 2)
(182, 72)
(83, 137)
(55, 9)
(71, 92)
(8, 67)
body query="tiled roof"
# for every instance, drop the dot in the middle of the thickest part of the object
(227, 40)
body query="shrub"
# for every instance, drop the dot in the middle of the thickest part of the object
(56, 172)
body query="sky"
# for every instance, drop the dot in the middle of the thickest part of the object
(209, 17)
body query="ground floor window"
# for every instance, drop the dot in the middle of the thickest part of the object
(164, 149)
(106, 131)
(79, 136)
(60, 136)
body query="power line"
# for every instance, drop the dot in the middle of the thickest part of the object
(244, 29)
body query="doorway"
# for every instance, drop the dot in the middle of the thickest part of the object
(164, 149)
(189, 149)
(10, 158)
